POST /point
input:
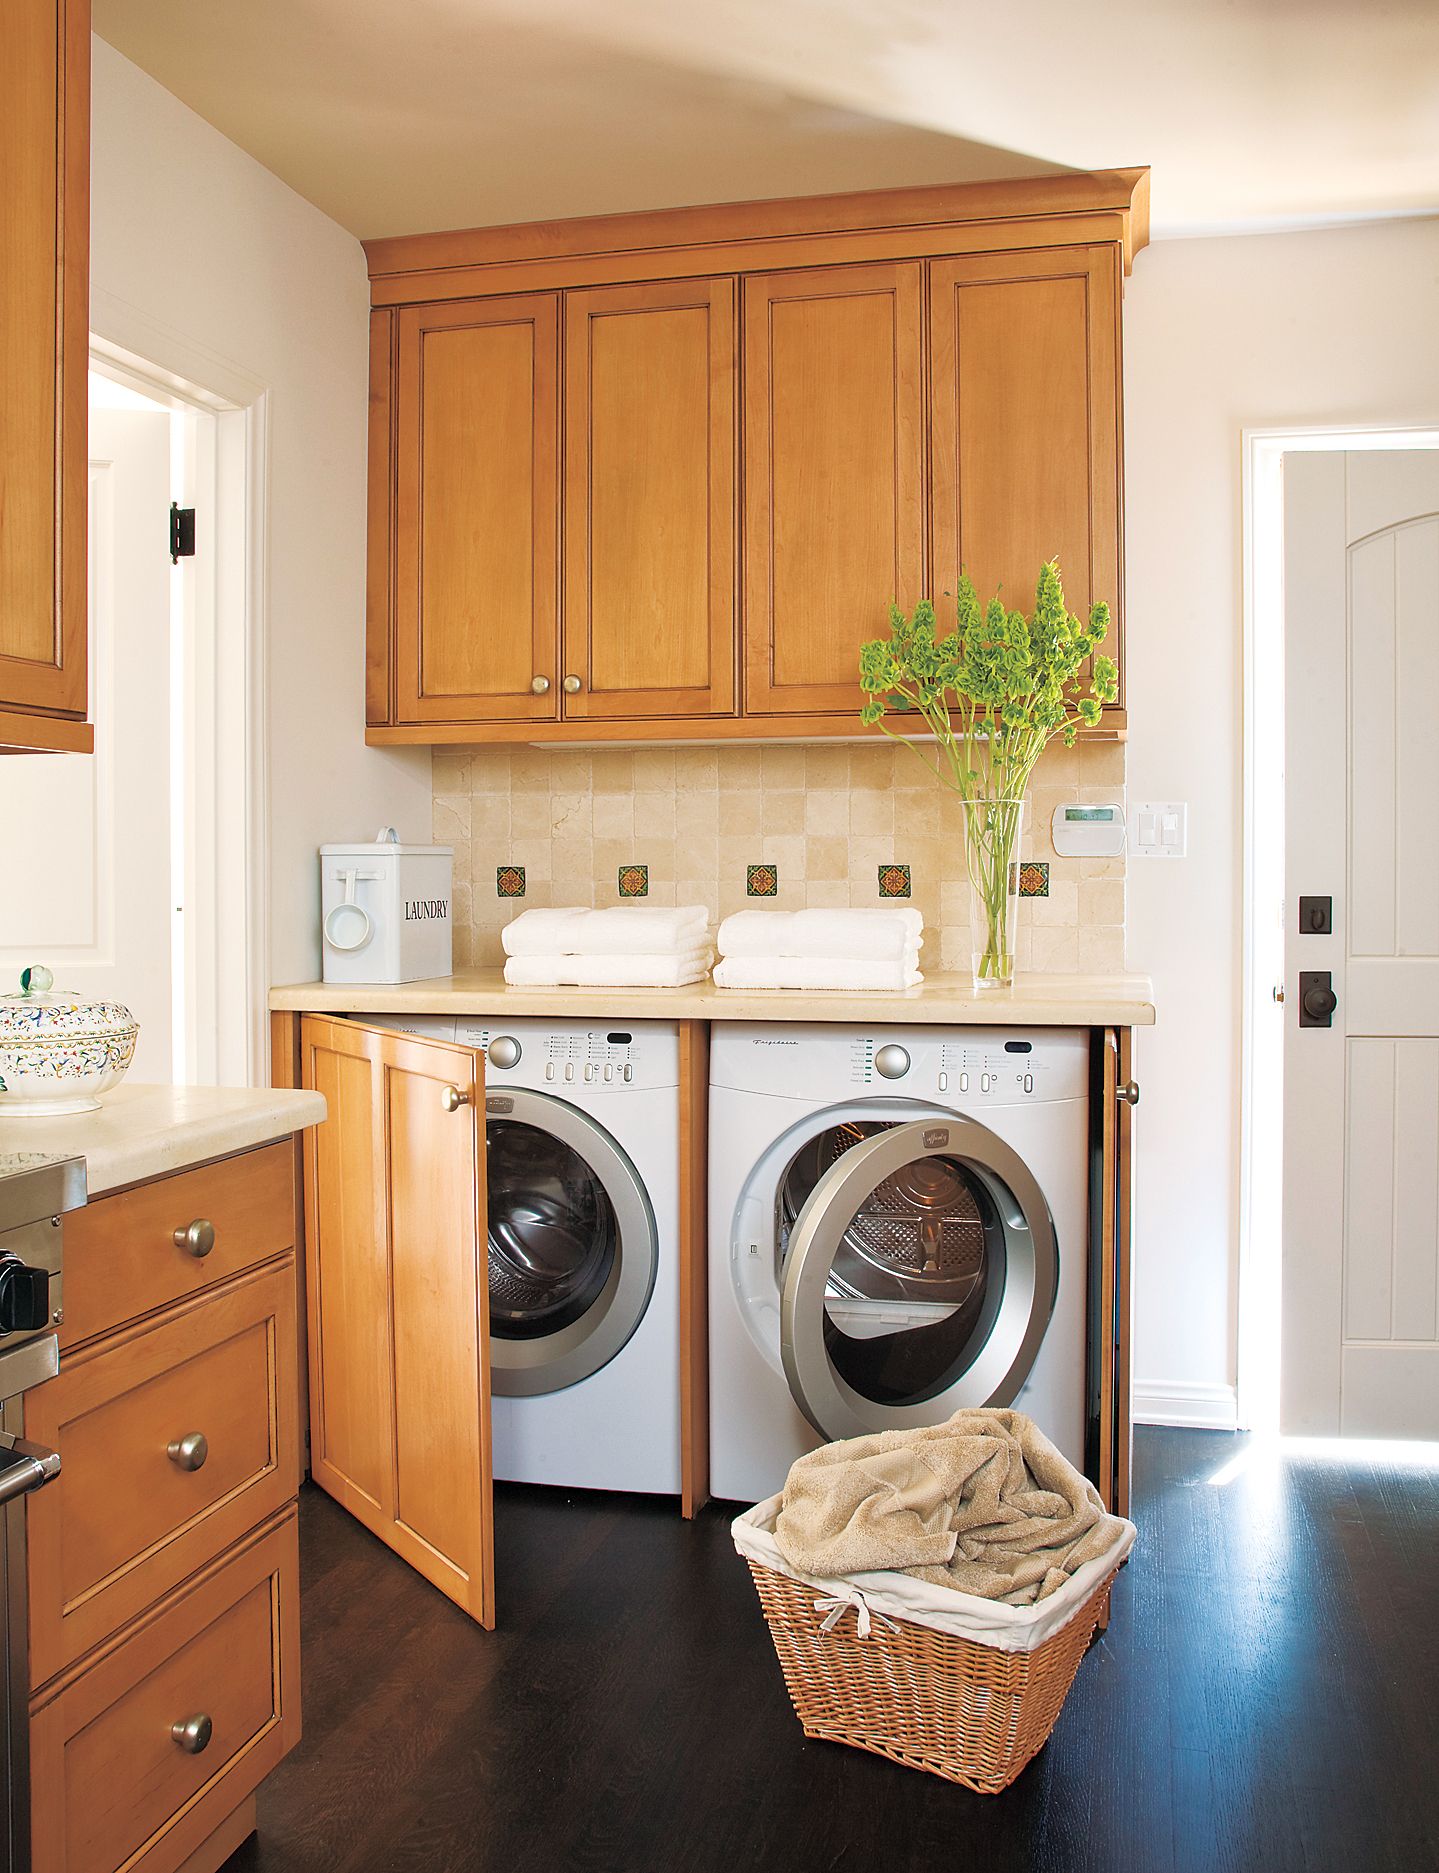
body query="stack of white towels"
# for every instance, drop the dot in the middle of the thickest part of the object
(630, 946)
(820, 949)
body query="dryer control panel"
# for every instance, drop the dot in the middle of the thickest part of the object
(963, 1066)
(570, 1058)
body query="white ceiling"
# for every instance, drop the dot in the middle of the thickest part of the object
(396, 116)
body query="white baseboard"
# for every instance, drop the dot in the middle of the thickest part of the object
(1194, 1406)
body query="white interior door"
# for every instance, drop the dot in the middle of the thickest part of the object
(85, 839)
(1361, 1122)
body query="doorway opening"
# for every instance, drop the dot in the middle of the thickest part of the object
(1261, 1216)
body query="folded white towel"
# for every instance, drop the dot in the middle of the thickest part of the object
(879, 935)
(815, 972)
(624, 930)
(637, 972)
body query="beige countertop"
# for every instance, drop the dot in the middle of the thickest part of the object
(148, 1131)
(940, 1000)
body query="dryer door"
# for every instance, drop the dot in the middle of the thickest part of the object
(920, 1277)
(572, 1243)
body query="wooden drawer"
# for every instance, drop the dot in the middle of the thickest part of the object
(121, 1257)
(111, 1788)
(125, 1522)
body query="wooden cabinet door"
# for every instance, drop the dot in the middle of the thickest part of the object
(44, 360)
(649, 544)
(1024, 411)
(477, 511)
(834, 476)
(398, 1298)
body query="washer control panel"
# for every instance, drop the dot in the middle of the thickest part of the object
(566, 1057)
(964, 1066)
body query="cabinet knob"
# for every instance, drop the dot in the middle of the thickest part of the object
(197, 1238)
(572, 686)
(1128, 1092)
(452, 1099)
(189, 1453)
(540, 685)
(193, 1733)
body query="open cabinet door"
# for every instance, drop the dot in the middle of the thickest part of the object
(398, 1298)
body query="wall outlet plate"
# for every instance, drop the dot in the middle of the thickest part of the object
(1158, 829)
(1084, 830)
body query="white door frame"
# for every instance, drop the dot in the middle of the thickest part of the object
(164, 363)
(1259, 1326)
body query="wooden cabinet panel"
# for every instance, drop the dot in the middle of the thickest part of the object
(649, 526)
(109, 1782)
(834, 476)
(399, 1299)
(127, 1522)
(1024, 396)
(477, 511)
(44, 350)
(122, 1260)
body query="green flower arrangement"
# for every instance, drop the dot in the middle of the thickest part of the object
(993, 692)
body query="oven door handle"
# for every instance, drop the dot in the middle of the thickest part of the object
(24, 1466)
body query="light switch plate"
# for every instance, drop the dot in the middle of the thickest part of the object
(1158, 828)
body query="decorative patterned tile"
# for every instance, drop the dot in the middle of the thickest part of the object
(1034, 878)
(761, 880)
(509, 881)
(634, 880)
(894, 881)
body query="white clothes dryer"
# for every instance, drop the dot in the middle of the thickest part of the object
(582, 1168)
(897, 1229)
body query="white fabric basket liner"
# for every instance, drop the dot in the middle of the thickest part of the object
(900, 1596)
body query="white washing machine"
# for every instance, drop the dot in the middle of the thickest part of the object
(897, 1229)
(582, 1162)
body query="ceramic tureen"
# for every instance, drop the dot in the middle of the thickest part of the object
(58, 1051)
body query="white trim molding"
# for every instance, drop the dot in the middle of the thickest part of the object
(1193, 1404)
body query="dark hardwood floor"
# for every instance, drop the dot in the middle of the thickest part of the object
(1265, 1698)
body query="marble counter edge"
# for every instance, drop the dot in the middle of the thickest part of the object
(1059, 1001)
(143, 1132)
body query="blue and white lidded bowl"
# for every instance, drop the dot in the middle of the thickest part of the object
(59, 1052)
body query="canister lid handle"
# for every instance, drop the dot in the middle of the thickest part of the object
(387, 836)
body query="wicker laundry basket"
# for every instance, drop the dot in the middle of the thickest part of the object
(933, 1700)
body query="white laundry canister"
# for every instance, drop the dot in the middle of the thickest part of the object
(386, 910)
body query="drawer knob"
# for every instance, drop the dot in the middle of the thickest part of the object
(189, 1453)
(193, 1735)
(197, 1238)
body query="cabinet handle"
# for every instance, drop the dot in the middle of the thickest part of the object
(1128, 1092)
(539, 685)
(452, 1099)
(572, 686)
(197, 1238)
(189, 1453)
(194, 1733)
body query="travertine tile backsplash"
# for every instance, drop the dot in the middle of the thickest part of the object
(827, 819)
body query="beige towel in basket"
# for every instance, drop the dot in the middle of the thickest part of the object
(984, 1504)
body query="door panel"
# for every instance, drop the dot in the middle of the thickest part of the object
(1024, 404)
(1361, 1120)
(477, 511)
(398, 1302)
(44, 339)
(649, 499)
(834, 476)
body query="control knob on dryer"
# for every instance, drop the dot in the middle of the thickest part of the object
(504, 1051)
(891, 1061)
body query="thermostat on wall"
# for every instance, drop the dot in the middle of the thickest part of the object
(1088, 831)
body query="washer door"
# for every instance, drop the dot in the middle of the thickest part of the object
(920, 1276)
(572, 1244)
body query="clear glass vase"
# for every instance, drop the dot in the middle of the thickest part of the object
(991, 852)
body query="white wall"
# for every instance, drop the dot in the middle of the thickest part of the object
(224, 260)
(1220, 335)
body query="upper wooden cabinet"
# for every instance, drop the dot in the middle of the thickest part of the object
(1024, 423)
(649, 526)
(834, 476)
(918, 381)
(44, 365)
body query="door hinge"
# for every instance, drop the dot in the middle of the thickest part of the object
(182, 532)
